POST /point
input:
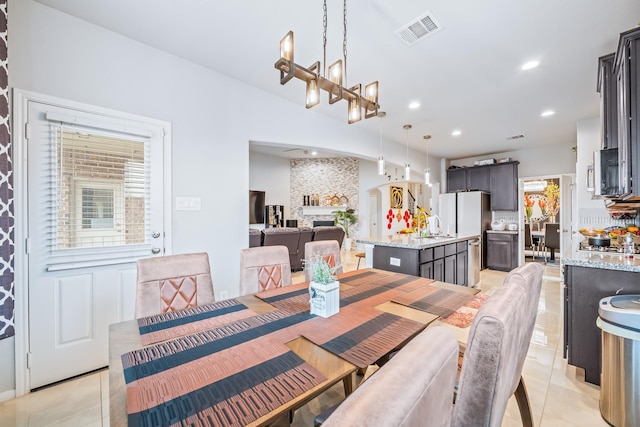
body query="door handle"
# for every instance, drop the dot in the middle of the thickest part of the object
(155, 234)
(155, 250)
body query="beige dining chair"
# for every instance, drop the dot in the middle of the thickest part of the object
(173, 282)
(529, 277)
(495, 352)
(327, 249)
(415, 388)
(263, 268)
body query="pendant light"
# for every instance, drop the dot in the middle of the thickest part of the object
(407, 166)
(427, 178)
(381, 115)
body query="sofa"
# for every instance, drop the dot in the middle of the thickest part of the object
(294, 238)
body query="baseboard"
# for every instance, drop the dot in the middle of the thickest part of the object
(7, 395)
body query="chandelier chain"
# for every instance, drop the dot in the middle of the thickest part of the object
(324, 38)
(344, 42)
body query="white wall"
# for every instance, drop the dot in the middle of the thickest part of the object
(272, 175)
(553, 159)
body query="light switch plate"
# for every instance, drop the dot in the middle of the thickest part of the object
(187, 203)
(394, 261)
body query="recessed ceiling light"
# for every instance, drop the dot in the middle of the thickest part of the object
(529, 65)
(314, 153)
(413, 105)
(547, 113)
(456, 132)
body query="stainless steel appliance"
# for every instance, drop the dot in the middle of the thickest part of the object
(467, 214)
(606, 175)
(619, 319)
(473, 276)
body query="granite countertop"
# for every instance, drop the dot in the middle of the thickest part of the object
(412, 242)
(503, 231)
(607, 261)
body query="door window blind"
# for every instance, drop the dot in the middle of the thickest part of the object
(100, 189)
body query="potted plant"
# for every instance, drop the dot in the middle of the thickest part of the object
(324, 289)
(344, 219)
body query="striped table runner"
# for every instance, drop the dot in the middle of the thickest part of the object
(161, 327)
(441, 302)
(229, 375)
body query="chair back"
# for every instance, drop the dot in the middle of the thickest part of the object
(172, 282)
(262, 268)
(327, 249)
(552, 236)
(333, 232)
(283, 236)
(527, 236)
(493, 359)
(529, 277)
(414, 388)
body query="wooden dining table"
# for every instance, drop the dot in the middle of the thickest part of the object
(168, 364)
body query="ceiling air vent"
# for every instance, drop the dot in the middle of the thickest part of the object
(510, 138)
(419, 28)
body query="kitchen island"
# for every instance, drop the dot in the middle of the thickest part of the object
(589, 277)
(452, 259)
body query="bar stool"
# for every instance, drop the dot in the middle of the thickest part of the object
(359, 255)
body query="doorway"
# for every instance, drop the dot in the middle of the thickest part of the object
(546, 200)
(91, 199)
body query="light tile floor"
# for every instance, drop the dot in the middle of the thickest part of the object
(559, 396)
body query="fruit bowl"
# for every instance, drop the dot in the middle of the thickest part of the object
(590, 232)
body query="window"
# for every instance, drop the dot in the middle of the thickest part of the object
(101, 190)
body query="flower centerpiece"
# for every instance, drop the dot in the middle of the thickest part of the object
(543, 207)
(552, 192)
(528, 206)
(324, 288)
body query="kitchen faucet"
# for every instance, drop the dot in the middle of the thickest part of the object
(437, 227)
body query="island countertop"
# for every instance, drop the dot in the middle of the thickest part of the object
(409, 241)
(606, 261)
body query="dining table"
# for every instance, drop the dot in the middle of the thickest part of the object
(251, 359)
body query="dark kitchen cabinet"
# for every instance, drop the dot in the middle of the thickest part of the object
(478, 178)
(504, 186)
(502, 251)
(627, 69)
(584, 288)
(498, 179)
(607, 83)
(445, 263)
(456, 180)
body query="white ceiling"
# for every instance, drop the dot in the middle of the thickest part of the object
(466, 76)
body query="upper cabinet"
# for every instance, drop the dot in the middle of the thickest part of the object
(456, 180)
(607, 82)
(498, 179)
(504, 186)
(627, 71)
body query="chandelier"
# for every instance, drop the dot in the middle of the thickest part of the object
(334, 83)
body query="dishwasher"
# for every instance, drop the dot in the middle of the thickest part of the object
(473, 278)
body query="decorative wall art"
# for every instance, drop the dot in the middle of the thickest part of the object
(6, 191)
(396, 197)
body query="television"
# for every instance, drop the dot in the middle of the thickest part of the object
(256, 207)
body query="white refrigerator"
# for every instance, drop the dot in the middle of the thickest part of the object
(465, 214)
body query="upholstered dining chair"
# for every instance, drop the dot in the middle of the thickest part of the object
(495, 352)
(327, 249)
(172, 282)
(529, 277)
(415, 388)
(551, 240)
(262, 268)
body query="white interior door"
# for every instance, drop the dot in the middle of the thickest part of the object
(95, 205)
